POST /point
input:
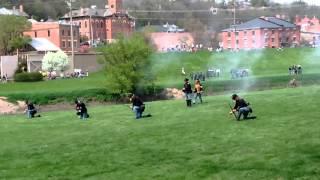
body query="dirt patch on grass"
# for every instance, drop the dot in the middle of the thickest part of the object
(173, 93)
(11, 108)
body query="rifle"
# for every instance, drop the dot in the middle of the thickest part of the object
(234, 114)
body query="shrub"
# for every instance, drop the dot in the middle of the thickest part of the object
(28, 77)
(22, 67)
(128, 64)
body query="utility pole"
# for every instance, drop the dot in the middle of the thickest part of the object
(71, 33)
(91, 31)
(234, 12)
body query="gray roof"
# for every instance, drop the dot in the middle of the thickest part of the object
(16, 12)
(42, 44)
(261, 23)
(94, 12)
(281, 22)
(88, 12)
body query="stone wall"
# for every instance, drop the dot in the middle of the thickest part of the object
(8, 65)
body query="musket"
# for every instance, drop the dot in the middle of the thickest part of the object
(234, 114)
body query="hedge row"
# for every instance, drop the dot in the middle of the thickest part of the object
(153, 93)
(28, 77)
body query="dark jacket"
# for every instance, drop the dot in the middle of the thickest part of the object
(136, 101)
(240, 104)
(31, 107)
(81, 107)
(187, 88)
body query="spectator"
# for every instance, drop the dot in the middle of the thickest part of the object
(198, 89)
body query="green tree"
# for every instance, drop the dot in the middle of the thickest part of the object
(11, 31)
(260, 3)
(18, 43)
(128, 64)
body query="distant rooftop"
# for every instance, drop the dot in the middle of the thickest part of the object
(62, 22)
(16, 12)
(94, 12)
(43, 45)
(262, 23)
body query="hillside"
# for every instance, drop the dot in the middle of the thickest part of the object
(268, 69)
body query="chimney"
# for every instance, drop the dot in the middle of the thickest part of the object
(81, 11)
(21, 8)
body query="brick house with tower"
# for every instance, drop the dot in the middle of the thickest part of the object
(102, 24)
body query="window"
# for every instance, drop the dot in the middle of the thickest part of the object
(63, 44)
(253, 33)
(287, 39)
(80, 24)
(229, 44)
(75, 44)
(237, 41)
(229, 34)
(237, 33)
(101, 24)
(49, 33)
(245, 33)
(294, 38)
(272, 40)
(69, 44)
(62, 32)
(85, 24)
(35, 34)
(69, 33)
(74, 33)
(272, 31)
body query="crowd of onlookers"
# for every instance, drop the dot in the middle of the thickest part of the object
(198, 75)
(295, 70)
(216, 73)
(184, 48)
(4, 79)
(76, 74)
(213, 72)
(239, 73)
(210, 73)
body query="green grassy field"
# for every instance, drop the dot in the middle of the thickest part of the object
(203, 142)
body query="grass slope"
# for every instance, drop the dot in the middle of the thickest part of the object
(177, 143)
(167, 68)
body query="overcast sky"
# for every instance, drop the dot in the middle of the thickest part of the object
(311, 2)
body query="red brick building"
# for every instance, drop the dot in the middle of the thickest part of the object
(310, 29)
(266, 32)
(96, 24)
(56, 32)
